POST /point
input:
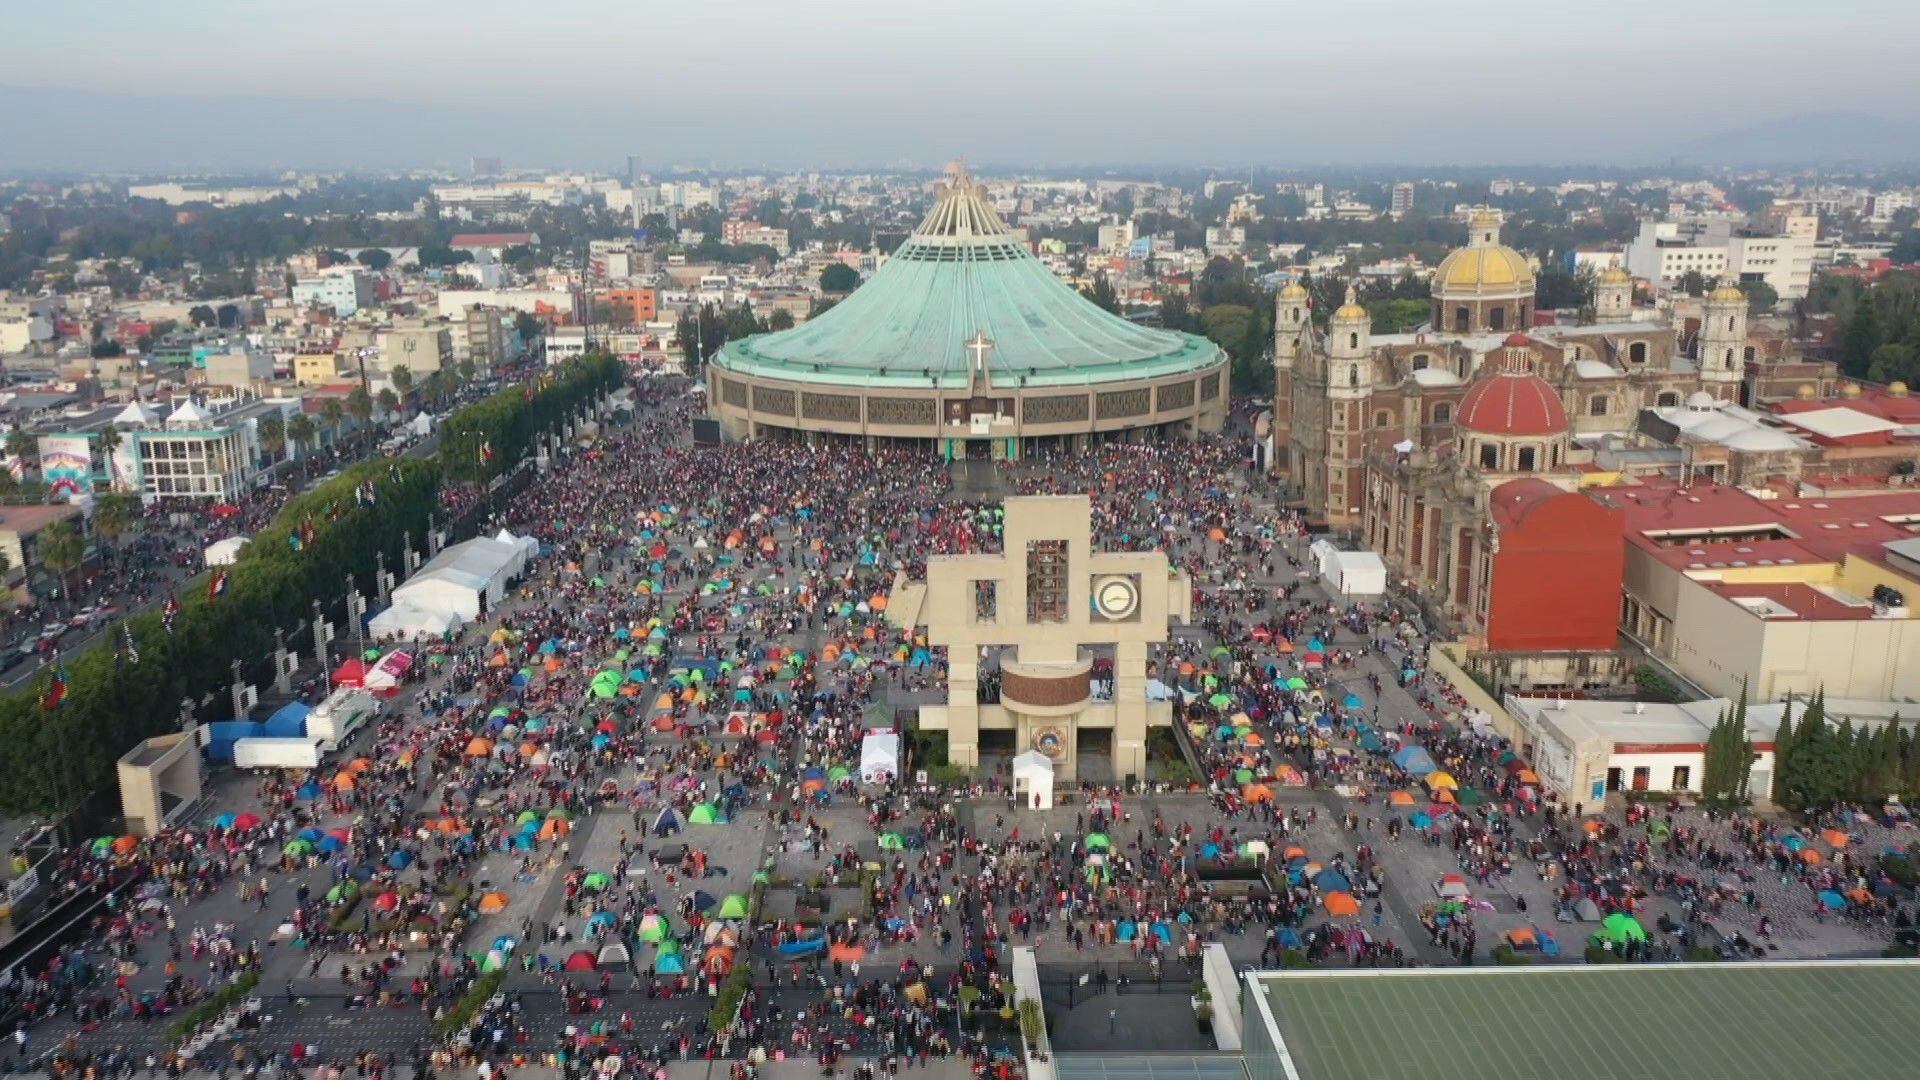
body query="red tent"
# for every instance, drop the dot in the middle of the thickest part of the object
(351, 673)
(582, 960)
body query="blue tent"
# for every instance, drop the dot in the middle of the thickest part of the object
(1422, 821)
(329, 844)
(309, 791)
(670, 963)
(1371, 742)
(1351, 701)
(224, 821)
(1833, 900)
(1287, 937)
(1127, 932)
(311, 835)
(400, 860)
(1333, 881)
(1415, 760)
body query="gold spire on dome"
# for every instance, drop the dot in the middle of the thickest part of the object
(1351, 309)
(1614, 275)
(1727, 293)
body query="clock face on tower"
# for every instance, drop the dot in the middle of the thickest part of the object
(1116, 597)
(1050, 741)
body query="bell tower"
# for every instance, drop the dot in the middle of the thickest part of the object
(1292, 346)
(1722, 345)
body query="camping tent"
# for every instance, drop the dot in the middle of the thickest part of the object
(1353, 573)
(1033, 779)
(880, 757)
(409, 622)
(225, 552)
(386, 674)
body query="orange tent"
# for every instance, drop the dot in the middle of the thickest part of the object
(1253, 738)
(125, 844)
(343, 781)
(448, 825)
(1285, 645)
(719, 960)
(1400, 798)
(479, 747)
(1256, 793)
(877, 602)
(528, 749)
(555, 827)
(1216, 534)
(359, 765)
(664, 701)
(552, 664)
(1811, 857)
(1294, 852)
(1835, 837)
(1340, 905)
(1527, 776)
(1444, 797)
(493, 903)
(1521, 937)
(847, 952)
(1594, 826)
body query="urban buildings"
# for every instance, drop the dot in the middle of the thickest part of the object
(1666, 251)
(344, 290)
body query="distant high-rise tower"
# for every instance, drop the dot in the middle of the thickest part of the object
(1402, 202)
(485, 166)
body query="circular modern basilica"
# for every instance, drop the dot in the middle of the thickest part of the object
(965, 343)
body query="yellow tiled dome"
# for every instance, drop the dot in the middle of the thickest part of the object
(1293, 291)
(1492, 268)
(1614, 275)
(1727, 294)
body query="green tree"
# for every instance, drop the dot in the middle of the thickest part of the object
(273, 434)
(1761, 297)
(374, 259)
(839, 278)
(402, 378)
(1101, 292)
(1784, 738)
(1729, 758)
(61, 549)
(360, 404)
(1693, 283)
(301, 430)
(1890, 362)
(105, 348)
(24, 448)
(389, 401)
(528, 326)
(1395, 316)
(114, 515)
(333, 414)
(781, 319)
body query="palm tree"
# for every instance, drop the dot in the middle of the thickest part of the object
(333, 414)
(273, 434)
(360, 404)
(114, 515)
(434, 386)
(389, 401)
(61, 550)
(402, 378)
(467, 370)
(110, 442)
(301, 431)
(23, 447)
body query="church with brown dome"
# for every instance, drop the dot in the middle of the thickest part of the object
(1401, 439)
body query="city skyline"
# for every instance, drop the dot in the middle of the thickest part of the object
(743, 84)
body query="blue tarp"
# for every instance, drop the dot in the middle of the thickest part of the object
(287, 722)
(803, 947)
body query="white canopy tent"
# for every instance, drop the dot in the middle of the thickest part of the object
(880, 757)
(225, 552)
(1350, 573)
(464, 579)
(1033, 779)
(406, 622)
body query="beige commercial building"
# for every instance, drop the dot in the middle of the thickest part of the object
(1051, 602)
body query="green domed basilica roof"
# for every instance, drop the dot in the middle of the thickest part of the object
(962, 273)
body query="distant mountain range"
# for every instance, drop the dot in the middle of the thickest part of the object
(1808, 139)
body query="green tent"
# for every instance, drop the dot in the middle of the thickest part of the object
(526, 816)
(891, 841)
(733, 907)
(838, 772)
(703, 814)
(596, 880)
(1099, 842)
(298, 847)
(1620, 928)
(1296, 683)
(653, 929)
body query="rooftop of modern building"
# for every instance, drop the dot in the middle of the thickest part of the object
(1707, 522)
(1757, 1021)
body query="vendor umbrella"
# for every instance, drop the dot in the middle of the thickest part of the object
(1099, 842)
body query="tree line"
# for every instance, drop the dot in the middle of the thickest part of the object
(130, 686)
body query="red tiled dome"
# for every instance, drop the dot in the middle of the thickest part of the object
(1517, 340)
(1511, 403)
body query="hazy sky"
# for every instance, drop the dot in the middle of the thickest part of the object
(140, 84)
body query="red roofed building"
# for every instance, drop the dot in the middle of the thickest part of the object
(494, 242)
(1557, 562)
(1787, 594)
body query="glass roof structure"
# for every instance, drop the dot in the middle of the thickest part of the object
(964, 273)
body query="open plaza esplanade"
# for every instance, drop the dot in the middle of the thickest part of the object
(966, 343)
